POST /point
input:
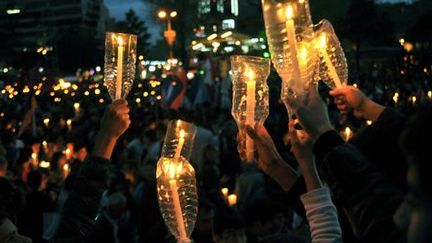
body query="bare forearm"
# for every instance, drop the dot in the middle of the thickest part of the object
(371, 110)
(104, 146)
(284, 175)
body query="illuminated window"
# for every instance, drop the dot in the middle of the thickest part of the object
(204, 7)
(235, 7)
(228, 24)
(220, 6)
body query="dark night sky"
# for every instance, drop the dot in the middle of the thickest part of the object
(118, 8)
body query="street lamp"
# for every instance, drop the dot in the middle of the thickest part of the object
(169, 34)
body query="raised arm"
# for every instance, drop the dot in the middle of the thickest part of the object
(321, 213)
(78, 215)
(367, 196)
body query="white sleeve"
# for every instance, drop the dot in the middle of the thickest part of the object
(322, 216)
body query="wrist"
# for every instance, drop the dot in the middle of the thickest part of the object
(285, 175)
(371, 110)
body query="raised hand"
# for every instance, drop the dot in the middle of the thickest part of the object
(114, 123)
(301, 147)
(350, 98)
(312, 114)
(269, 159)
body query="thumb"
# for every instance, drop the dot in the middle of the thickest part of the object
(253, 134)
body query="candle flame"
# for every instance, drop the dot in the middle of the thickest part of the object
(323, 41)
(76, 105)
(289, 12)
(69, 122)
(224, 191)
(172, 170)
(303, 55)
(44, 164)
(120, 41)
(250, 74)
(182, 134)
(66, 167)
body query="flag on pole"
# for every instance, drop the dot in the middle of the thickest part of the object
(176, 93)
(29, 118)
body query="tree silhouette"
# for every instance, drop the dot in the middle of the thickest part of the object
(134, 25)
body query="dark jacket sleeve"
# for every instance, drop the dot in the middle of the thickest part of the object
(379, 142)
(368, 198)
(81, 207)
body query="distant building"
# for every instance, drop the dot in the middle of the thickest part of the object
(30, 24)
(219, 29)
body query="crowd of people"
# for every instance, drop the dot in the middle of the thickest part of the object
(86, 173)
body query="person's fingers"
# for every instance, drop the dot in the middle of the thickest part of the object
(338, 91)
(123, 110)
(342, 107)
(262, 131)
(339, 101)
(119, 102)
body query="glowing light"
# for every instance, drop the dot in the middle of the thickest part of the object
(226, 34)
(46, 121)
(26, 89)
(158, 97)
(44, 164)
(289, 12)
(98, 69)
(97, 91)
(86, 93)
(5, 70)
(145, 94)
(190, 75)
(212, 36)
(369, 122)
(13, 11)
(101, 100)
(138, 100)
(173, 14)
(162, 14)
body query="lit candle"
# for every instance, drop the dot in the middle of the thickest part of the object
(179, 146)
(225, 193)
(119, 68)
(68, 153)
(69, 124)
(45, 145)
(430, 94)
(174, 172)
(44, 164)
(66, 170)
(414, 99)
(46, 121)
(347, 133)
(290, 28)
(77, 107)
(250, 113)
(34, 157)
(232, 200)
(331, 69)
(396, 97)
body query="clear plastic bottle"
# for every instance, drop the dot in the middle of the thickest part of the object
(120, 59)
(333, 69)
(176, 183)
(290, 37)
(250, 104)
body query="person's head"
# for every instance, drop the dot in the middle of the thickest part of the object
(263, 216)
(415, 214)
(81, 151)
(9, 233)
(36, 180)
(229, 227)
